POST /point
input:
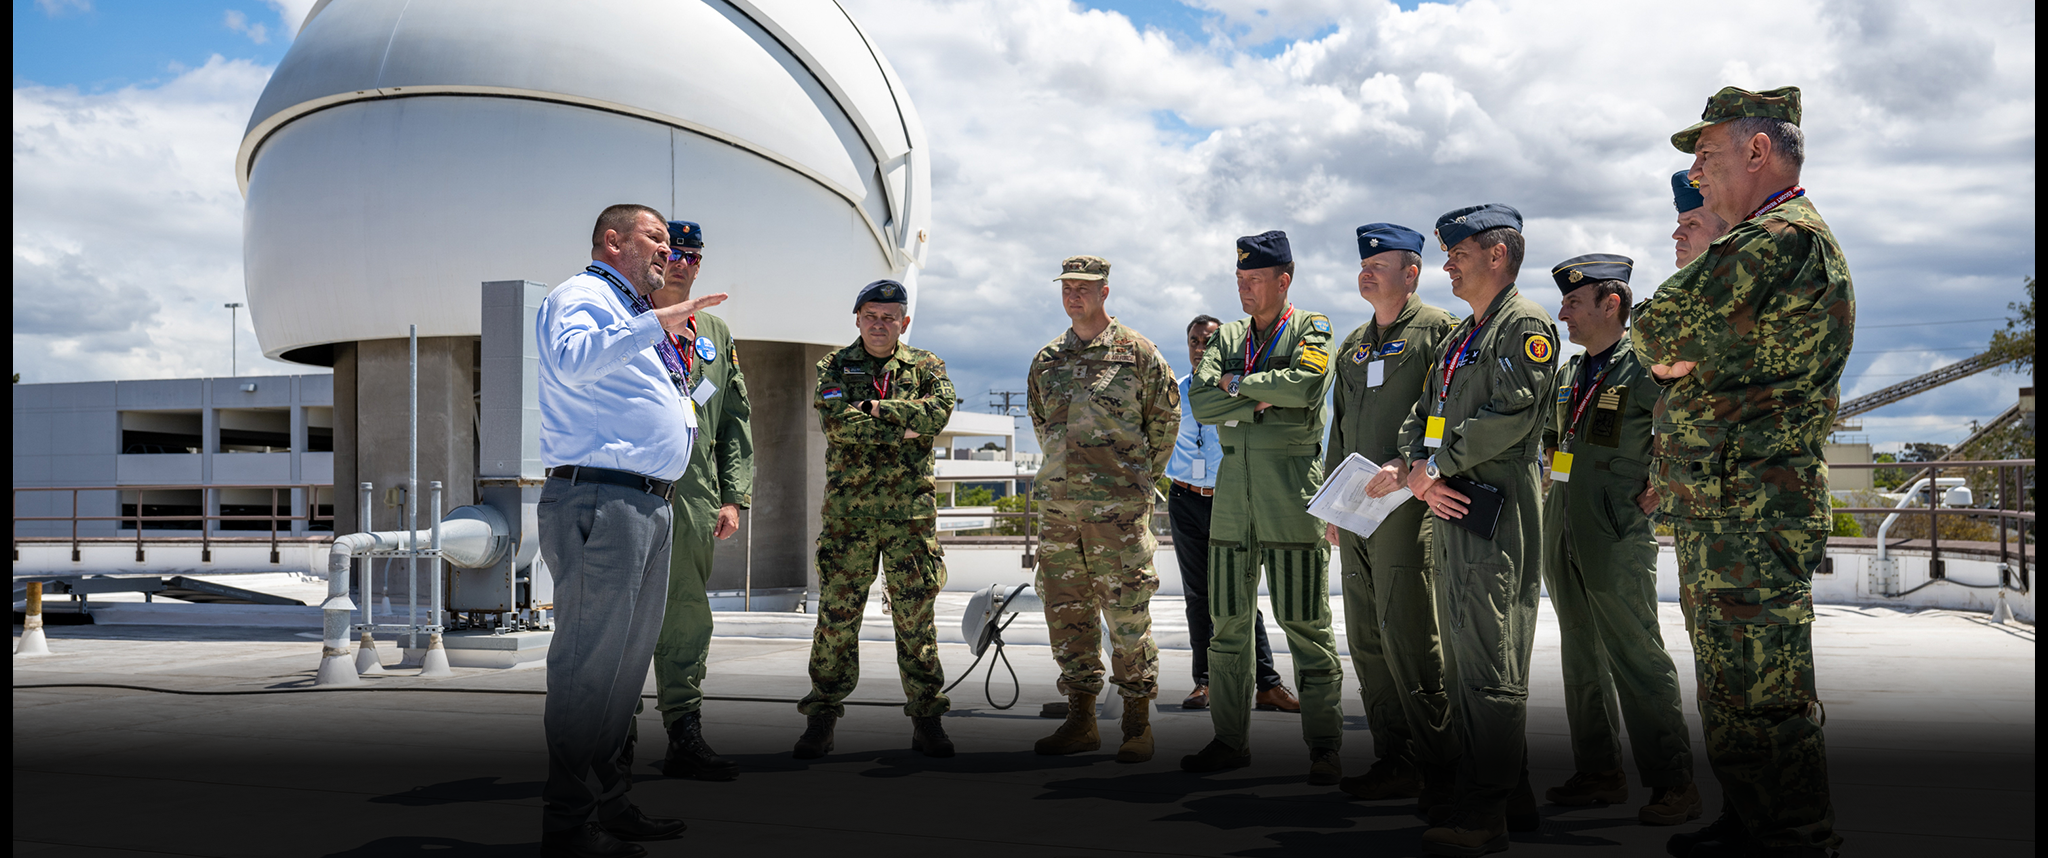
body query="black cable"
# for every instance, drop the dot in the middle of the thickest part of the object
(1933, 581)
(987, 691)
(326, 689)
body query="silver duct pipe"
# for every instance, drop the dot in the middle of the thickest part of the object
(472, 537)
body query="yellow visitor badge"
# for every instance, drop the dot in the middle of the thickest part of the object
(1433, 433)
(1561, 466)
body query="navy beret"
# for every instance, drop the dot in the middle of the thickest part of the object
(682, 233)
(1591, 268)
(1265, 250)
(1683, 194)
(883, 292)
(1377, 238)
(1460, 224)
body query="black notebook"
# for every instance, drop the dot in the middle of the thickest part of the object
(1482, 515)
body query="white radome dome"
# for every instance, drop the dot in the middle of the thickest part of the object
(403, 153)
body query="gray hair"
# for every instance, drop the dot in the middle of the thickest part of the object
(1786, 139)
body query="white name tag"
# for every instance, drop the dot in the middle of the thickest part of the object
(690, 416)
(1201, 468)
(1375, 373)
(705, 390)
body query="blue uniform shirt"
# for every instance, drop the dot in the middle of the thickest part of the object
(606, 399)
(1195, 441)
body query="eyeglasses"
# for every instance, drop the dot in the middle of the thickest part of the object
(691, 256)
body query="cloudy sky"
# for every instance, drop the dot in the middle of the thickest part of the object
(1154, 133)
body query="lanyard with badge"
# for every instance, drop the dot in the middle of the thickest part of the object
(1433, 431)
(1561, 459)
(701, 348)
(1253, 352)
(671, 357)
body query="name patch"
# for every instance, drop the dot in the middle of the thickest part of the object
(1393, 348)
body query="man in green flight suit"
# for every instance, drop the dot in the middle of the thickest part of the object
(882, 403)
(1479, 424)
(1263, 380)
(1389, 581)
(1106, 408)
(1600, 557)
(1752, 339)
(718, 484)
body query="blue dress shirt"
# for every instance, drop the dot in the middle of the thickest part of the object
(606, 399)
(1195, 441)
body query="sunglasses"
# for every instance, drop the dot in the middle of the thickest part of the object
(690, 256)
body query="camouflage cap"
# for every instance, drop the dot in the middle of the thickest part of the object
(1731, 103)
(1084, 268)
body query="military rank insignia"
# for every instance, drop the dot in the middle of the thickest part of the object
(1393, 348)
(1319, 324)
(1315, 357)
(1606, 424)
(1537, 348)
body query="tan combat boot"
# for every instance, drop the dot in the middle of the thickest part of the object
(1137, 746)
(1671, 805)
(1077, 733)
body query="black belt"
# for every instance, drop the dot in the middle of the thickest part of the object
(586, 474)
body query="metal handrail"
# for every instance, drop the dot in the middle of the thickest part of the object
(206, 536)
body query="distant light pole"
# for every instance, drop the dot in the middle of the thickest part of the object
(234, 311)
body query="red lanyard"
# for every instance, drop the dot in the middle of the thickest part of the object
(1456, 359)
(881, 383)
(688, 348)
(1252, 359)
(1779, 199)
(1571, 429)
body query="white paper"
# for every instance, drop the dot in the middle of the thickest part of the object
(1201, 468)
(705, 390)
(1375, 373)
(1342, 501)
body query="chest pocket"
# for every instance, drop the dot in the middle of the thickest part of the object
(1605, 427)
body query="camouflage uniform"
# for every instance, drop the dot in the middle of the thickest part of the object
(1272, 465)
(1486, 589)
(1600, 566)
(1768, 313)
(1389, 598)
(1106, 412)
(879, 506)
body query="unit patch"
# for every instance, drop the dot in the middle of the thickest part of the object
(1319, 324)
(1537, 349)
(706, 350)
(1564, 394)
(1393, 348)
(1361, 354)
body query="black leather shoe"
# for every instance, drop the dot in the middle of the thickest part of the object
(817, 738)
(928, 737)
(636, 825)
(588, 840)
(690, 757)
(1216, 757)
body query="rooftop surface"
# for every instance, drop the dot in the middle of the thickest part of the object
(1930, 732)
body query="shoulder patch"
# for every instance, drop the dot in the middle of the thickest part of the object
(1393, 348)
(1564, 394)
(1315, 357)
(1537, 348)
(1361, 354)
(833, 392)
(1319, 324)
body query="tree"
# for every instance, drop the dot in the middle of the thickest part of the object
(2016, 342)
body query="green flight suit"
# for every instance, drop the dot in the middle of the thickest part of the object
(721, 472)
(1272, 465)
(1389, 582)
(1600, 565)
(1486, 590)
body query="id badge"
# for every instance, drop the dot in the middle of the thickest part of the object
(1375, 373)
(690, 416)
(1433, 433)
(705, 390)
(1561, 466)
(1201, 468)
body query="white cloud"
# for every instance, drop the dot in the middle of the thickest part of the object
(238, 22)
(291, 14)
(54, 8)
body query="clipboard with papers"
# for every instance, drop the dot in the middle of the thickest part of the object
(1342, 500)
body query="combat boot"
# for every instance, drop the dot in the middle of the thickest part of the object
(1325, 768)
(689, 756)
(1439, 790)
(1137, 746)
(1726, 829)
(1583, 788)
(817, 738)
(1671, 805)
(1215, 757)
(1389, 777)
(928, 736)
(1467, 834)
(1077, 733)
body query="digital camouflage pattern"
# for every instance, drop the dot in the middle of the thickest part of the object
(1106, 412)
(1751, 599)
(1769, 314)
(1600, 567)
(1095, 565)
(913, 573)
(1732, 103)
(871, 470)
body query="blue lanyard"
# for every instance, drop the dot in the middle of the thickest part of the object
(667, 347)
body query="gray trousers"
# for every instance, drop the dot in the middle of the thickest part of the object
(608, 550)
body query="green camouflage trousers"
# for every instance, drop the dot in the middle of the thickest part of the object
(686, 620)
(1298, 577)
(1095, 562)
(1752, 602)
(909, 553)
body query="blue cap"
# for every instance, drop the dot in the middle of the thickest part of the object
(1683, 194)
(1265, 250)
(1377, 238)
(1457, 225)
(882, 291)
(1591, 268)
(682, 233)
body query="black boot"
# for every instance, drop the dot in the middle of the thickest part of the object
(928, 736)
(690, 757)
(1725, 829)
(817, 738)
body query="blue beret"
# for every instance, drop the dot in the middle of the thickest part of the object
(1581, 270)
(883, 292)
(1460, 224)
(1265, 250)
(682, 233)
(1377, 238)
(1683, 194)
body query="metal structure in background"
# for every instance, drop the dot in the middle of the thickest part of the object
(2014, 513)
(1921, 384)
(207, 537)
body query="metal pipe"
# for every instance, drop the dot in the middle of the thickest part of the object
(1912, 492)
(412, 485)
(363, 514)
(32, 640)
(748, 603)
(434, 567)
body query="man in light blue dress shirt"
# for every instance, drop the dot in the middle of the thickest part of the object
(1197, 454)
(616, 431)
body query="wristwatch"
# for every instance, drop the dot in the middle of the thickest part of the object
(1232, 389)
(1429, 469)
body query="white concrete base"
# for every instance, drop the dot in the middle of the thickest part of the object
(509, 651)
(33, 643)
